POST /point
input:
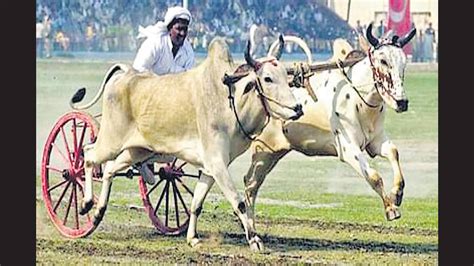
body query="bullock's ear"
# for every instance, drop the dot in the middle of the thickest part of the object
(249, 87)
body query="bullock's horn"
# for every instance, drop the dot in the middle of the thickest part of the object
(281, 43)
(372, 40)
(248, 57)
(405, 39)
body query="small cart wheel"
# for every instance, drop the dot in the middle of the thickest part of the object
(174, 185)
(62, 173)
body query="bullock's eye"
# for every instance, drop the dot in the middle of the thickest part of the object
(268, 79)
(383, 62)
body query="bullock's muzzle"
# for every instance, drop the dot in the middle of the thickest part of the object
(402, 106)
(298, 110)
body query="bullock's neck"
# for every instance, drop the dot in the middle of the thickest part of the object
(362, 78)
(251, 113)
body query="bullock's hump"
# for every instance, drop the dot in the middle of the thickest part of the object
(218, 49)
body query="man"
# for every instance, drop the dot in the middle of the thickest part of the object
(39, 38)
(165, 50)
(429, 42)
(381, 29)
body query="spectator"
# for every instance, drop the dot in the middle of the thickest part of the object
(381, 29)
(39, 38)
(62, 40)
(428, 43)
(47, 35)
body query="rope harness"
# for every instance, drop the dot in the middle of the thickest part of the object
(378, 76)
(230, 81)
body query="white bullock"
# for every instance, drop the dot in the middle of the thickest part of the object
(141, 112)
(346, 121)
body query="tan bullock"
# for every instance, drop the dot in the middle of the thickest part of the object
(346, 121)
(141, 113)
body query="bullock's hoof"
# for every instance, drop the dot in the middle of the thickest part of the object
(194, 242)
(86, 207)
(98, 215)
(256, 244)
(392, 213)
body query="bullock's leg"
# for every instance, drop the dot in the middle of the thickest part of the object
(262, 164)
(89, 163)
(389, 151)
(200, 192)
(223, 180)
(123, 161)
(358, 160)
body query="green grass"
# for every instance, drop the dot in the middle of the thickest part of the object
(309, 210)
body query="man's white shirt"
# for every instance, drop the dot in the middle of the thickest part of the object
(155, 55)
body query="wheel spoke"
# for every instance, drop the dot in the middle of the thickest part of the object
(167, 204)
(79, 145)
(76, 206)
(66, 144)
(69, 205)
(185, 187)
(189, 175)
(54, 169)
(62, 195)
(61, 154)
(74, 134)
(174, 162)
(181, 198)
(161, 197)
(153, 188)
(181, 166)
(175, 203)
(57, 185)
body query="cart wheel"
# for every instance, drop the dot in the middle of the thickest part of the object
(175, 185)
(62, 173)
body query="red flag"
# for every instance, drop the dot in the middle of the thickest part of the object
(399, 19)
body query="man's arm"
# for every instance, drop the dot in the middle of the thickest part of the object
(146, 56)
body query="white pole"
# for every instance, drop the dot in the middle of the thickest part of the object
(185, 4)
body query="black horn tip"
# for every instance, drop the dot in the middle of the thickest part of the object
(79, 95)
(372, 40)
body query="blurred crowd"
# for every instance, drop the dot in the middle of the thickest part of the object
(107, 25)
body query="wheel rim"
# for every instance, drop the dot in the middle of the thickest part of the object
(62, 173)
(168, 201)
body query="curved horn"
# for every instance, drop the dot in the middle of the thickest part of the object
(248, 57)
(405, 39)
(281, 43)
(296, 40)
(372, 40)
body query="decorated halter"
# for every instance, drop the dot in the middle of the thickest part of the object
(379, 76)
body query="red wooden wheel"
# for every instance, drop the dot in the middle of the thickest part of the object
(62, 173)
(173, 184)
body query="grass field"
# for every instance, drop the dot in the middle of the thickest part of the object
(309, 210)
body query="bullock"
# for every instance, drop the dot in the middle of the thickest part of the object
(217, 119)
(346, 120)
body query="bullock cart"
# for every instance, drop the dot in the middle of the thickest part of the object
(62, 173)
(166, 202)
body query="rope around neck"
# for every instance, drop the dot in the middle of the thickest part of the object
(338, 63)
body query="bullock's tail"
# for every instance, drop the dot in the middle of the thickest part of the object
(296, 40)
(80, 93)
